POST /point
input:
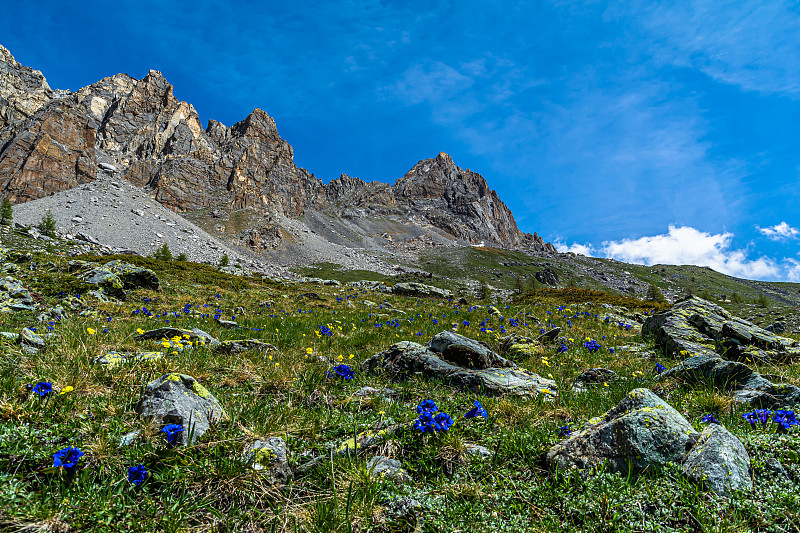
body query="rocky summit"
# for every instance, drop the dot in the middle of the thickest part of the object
(137, 130)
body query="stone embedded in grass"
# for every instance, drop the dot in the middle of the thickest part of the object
(747, 385)
(29, 338)
(420, 289)
(719, 461)
(478, 452)
(592, 378)
(14, 296)
(641, 432)
(227, 323)
(700, 327)
(407, 358)
(115, 277)
(270, 456)
(194, 335)
(112, 359)
(180, 399)
(387, 467)
(466, 352)
(242, 345)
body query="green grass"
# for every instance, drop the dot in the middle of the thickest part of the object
(207, 487)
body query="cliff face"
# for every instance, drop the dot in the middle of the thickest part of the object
(55, 140)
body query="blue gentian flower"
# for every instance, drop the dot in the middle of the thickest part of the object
(564, 431)
(67, 458)
(43, 388)
(592, 345)
(172, 431)
(137, 474)
(343, 371)
(563, 348)
(710, 419)
(442, 422)
(427, 406)
(660, 368)
(478, 410)
(785, 418)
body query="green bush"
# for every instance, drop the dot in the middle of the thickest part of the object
(6, 213)
(182, 257)
(47, 226)
(163, 253)
(224, 261)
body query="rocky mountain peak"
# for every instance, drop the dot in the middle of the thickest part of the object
(54, 140)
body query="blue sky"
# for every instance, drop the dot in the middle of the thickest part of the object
(635, 130)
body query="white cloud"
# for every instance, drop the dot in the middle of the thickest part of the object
(689, 246)
(780, 231)
(583, 249)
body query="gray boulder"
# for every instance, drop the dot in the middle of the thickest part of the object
(242, 345)
(719, 462)
(194, 335)
(419, 289)
(592, 378)
(387, 467)
(641, 432)
(466, 352)
(269, 456)
(180, 399)
(747, 385)
(699, 327)
(112, 359)
(407, 358)
(115, 277)
(14, 296)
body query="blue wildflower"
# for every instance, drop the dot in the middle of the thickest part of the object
(710, 419)
(427, 406)
(478, 410)
(442, 422)
(67, 458)
(660, 368)
(342, 371)
(43, 388)
(563, 348)
(172, 431)
(785, 418)
(592, 345)
(564, 431)
(137, 474)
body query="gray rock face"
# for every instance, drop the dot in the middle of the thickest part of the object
(547, 276)
(719, 462)
(112, 359)
(180, 399)
(749, 386)
(641, 432)
(270, 456)
(407, 358)
(466, 352)
(700, 327)
(419, 289)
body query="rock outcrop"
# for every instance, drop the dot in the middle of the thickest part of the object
(138, 130)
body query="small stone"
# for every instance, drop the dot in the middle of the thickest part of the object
(270, 456)
(385, 466)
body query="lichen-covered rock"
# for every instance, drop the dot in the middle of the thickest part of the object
(719, 461)
(180, 399)
(387, 467)
(115, 277)
(242, 345)
(747, 385)
(14, 296)
(407, 358)
(699, 327)
(641, 432)
(269, 456)
(593, 377)
(466, 352)
(419, 289)
(28, 338)
(112, 359)
(194, 335)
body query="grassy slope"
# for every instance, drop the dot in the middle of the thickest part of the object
(205, 487)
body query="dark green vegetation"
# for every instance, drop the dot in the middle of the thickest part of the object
(206, 487)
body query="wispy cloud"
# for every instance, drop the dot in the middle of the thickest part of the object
(782, 231)
(751, 43)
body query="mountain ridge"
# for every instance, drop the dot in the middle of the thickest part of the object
(137, 128)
